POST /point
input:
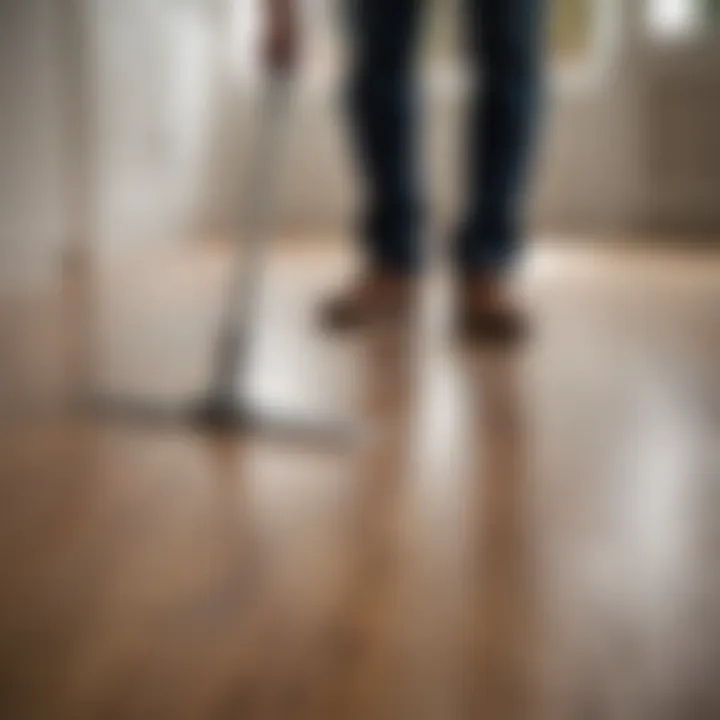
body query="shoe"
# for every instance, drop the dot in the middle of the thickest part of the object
(379, 297)
(486, 311)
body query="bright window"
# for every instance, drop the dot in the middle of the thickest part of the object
(682, 18)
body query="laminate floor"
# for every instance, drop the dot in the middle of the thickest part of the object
(514, 535)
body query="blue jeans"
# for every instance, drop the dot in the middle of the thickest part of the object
(504, 44)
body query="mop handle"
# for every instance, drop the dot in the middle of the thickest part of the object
(233, 348)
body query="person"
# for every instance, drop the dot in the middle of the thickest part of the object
(504, 48)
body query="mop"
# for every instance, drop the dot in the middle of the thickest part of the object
(225, 406)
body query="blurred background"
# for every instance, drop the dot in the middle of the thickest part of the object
(524, 535)
(124, 124)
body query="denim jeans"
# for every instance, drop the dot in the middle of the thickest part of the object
(504, 43)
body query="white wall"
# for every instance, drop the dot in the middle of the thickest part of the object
(154, 81)
(104, 129)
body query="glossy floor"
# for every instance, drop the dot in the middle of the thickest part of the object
(516, 536)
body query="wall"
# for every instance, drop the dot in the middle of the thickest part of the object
(582, 174)
(125, 126)
(106, 109)
(32, 211)
(678, 116)
(153, 97)
(606, 164)
(629, 141)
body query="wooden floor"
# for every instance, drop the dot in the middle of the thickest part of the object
(518, 536)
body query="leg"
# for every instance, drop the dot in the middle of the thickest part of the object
(506, 47)
(385, 40)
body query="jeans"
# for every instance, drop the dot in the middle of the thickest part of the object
(504, 40)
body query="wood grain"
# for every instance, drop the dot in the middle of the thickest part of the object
(526, 535)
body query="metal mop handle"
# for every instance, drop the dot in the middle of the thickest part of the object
(232, 353)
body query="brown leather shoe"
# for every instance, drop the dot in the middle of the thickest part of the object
(379, 297)
(487, 312)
